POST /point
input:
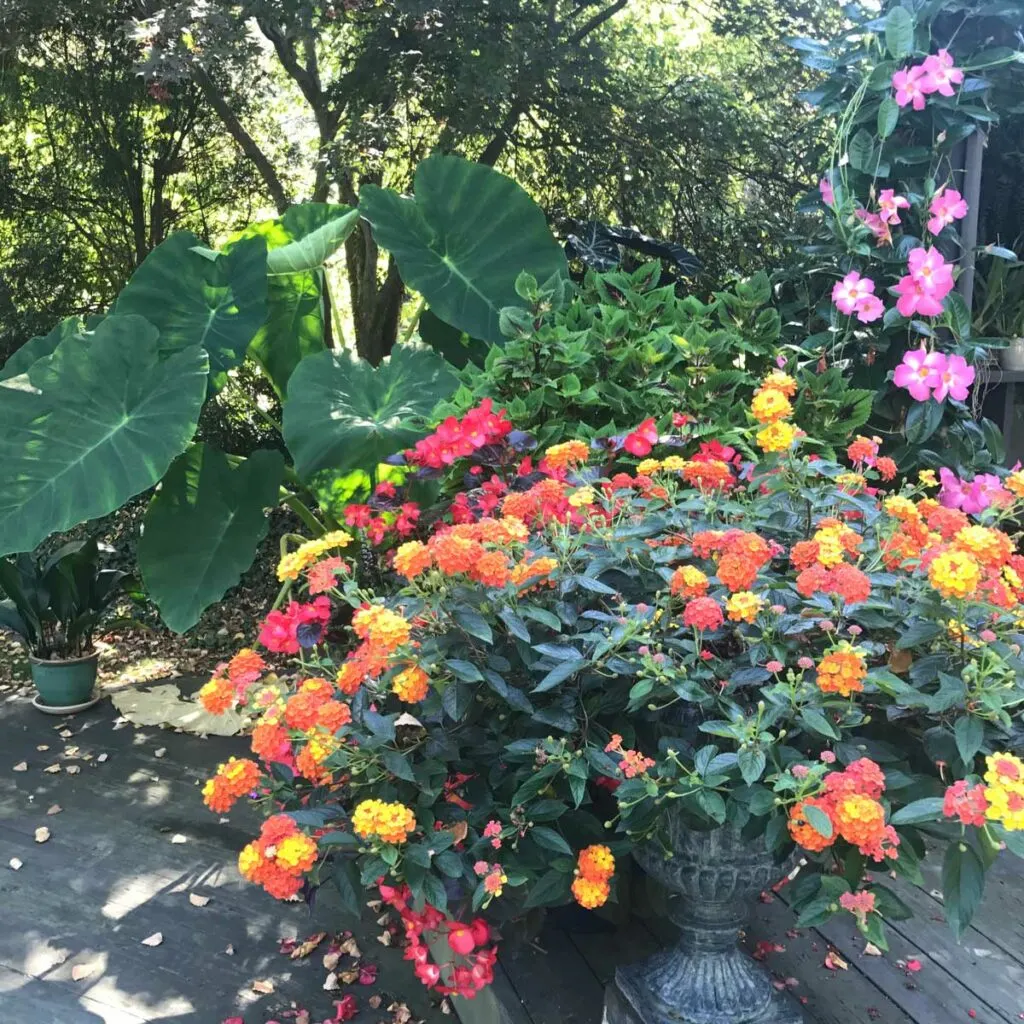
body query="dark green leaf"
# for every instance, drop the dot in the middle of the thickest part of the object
(970, 735)
(928, 809)
(550, 840)
(398, 764)
(963, 884)
(923, 420)
(888, 115)
(349, 885)
(218, 304)
(342, 413)
(818, 820)
(551, 889)
(115, 417)
(202, 529)
(463, 239)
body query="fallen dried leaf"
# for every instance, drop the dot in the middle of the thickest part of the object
(401, 1014)
(229, 949)
(73, 769)
(304, 948)
(52, 769)
(65, 734)
(159, 752)
(446, 1007)
(43, 746)
(459, 829)
(21, 766)
(872, 950)
(80, 971)
(410, 720)
(102, 758)
(374, 1002)
(42, 834)
(263, 986)
(834, 962)
(198, 901)
(350, 948)
(178, 839)
(350, 976)
(15, 864)
(155, 939)
(54, 809)
(331, 983)
(386, 939)
(331, 960)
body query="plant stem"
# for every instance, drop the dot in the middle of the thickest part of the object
(299, 507)
(414, 321)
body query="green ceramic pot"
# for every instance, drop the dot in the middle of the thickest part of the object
(64, 684)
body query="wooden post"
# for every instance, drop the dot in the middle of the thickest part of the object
(969, 226)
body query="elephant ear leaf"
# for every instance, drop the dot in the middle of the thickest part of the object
(202, 529)
(37, 348)
(343, 414)
(318, 230)
(298, 243)
(194, 296)
(462, 241)
(90, 426)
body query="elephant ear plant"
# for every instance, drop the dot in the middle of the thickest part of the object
(93, 414)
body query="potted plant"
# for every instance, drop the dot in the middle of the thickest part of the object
(1000, 310)
(718, 661)
(54, 604)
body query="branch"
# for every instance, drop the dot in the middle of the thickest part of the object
(245, 141)
(494, 148)
(597, 20)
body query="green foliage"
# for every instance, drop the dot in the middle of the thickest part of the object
(215, 301)
(54, 603)
(202, 529)
(344, 414)
(626, 347)
(91, 425)
(462, 239)
(101, 414)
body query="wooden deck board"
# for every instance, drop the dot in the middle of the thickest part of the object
(110, 876)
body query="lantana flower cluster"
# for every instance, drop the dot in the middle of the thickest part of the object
(848, 804)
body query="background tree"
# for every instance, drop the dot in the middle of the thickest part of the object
(96, 168)
(602, 109)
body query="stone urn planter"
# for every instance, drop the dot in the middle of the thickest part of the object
(706, 978)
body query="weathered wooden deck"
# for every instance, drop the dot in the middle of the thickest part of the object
(110, 876)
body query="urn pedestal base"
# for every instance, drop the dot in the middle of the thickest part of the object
(629, 1000)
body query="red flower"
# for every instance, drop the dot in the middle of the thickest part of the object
(300, 625)
(639, 442)
(461, 940)
(703, 613)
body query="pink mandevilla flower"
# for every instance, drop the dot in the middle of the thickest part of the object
(854, 294)
(929, 281)
(919, 372)
(890, 204)
(876, 225)
(954, 379)
(828, 196)
(972, 496)
(947, 205)
(940, 74)
(909, 86)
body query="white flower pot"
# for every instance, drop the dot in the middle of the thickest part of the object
(1012, 357)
